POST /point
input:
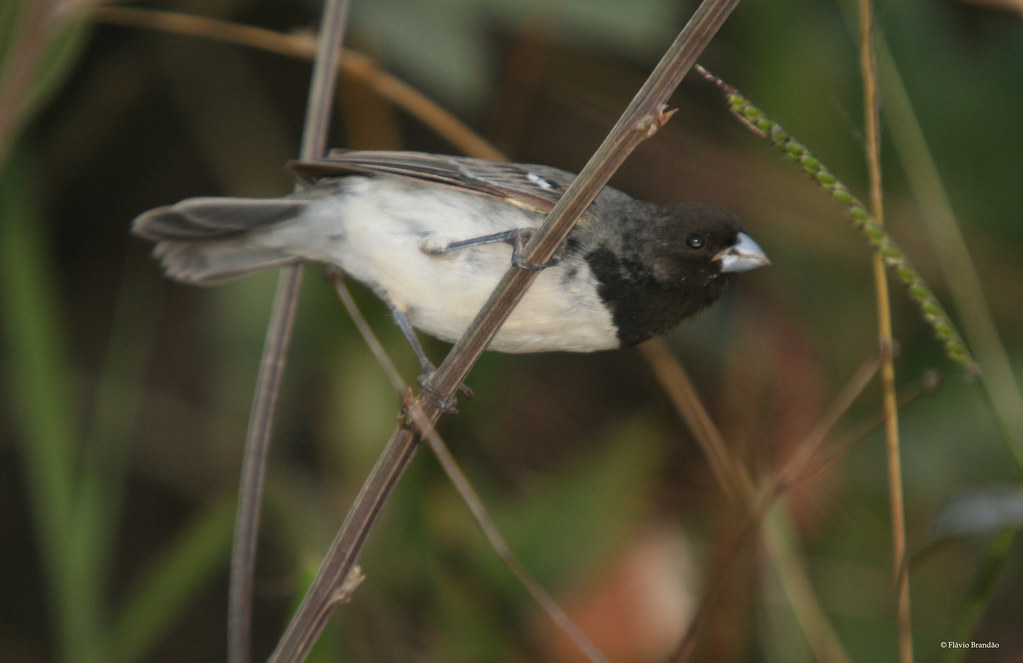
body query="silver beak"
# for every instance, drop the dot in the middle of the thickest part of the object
(742, 256)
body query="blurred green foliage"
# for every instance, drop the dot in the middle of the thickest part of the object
(124, 397)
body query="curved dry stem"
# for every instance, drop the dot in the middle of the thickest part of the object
(303, 45)
(278, 337)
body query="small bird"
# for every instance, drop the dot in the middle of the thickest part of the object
(432, 235)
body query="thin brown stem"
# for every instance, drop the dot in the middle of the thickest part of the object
(271, 370)
(639, 121)
(954, 259)
(777, 539)
(253, 468)
(462, 484)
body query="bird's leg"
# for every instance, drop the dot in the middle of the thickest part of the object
(425, 365)
(517, 237)
(435, 246)
(334, 274)
(410, 335)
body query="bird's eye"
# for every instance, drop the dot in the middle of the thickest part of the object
(695, 241)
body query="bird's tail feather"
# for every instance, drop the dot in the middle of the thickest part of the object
(208, 240)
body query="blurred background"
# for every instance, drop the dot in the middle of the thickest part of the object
(124, 397)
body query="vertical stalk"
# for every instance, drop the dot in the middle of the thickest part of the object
(890, 402)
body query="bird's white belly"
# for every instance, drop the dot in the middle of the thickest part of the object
(377, 240)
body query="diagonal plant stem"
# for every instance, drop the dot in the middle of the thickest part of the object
(271, 369)
(799, 465)
(998, 382)
(503, 550)
(640, 120)
(464, 487)
(674, 380)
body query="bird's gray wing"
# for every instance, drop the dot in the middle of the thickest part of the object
(535, 188)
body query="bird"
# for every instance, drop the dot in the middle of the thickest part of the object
(432, 235)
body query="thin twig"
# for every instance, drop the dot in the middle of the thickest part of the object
(336, 277)
(253, 468)
(641, 119)
(719, 577)
(871, 107)
(271, 368)
(324, 79)
(799, 471)
(461, 482)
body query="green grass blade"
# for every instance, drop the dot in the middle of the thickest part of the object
(979, 596)
(99, 498)
(37, 375)
(182, 570)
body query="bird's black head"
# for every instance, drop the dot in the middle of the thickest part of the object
(667, 264)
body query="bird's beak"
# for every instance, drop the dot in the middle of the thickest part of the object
(742, 256)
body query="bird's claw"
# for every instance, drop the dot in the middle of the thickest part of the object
(518, 240)
(433, 396)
